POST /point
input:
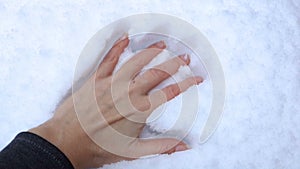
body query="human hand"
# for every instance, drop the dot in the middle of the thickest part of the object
(83, 125)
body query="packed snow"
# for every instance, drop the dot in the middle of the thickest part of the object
(258, 44)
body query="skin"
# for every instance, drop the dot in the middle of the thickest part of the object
(127, 90)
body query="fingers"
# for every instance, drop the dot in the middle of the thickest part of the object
(108, 64)
(161, 96)
(138, 61)
(160, 146)
(159, 73)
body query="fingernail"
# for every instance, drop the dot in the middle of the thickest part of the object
(181, 147)
(198, 79)
(123, 37)
(185, 58)
(160, 44)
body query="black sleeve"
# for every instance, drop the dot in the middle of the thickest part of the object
(31, 151)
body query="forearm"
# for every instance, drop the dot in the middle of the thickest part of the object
(29, 150)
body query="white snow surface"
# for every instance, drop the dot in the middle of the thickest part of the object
(258, 44)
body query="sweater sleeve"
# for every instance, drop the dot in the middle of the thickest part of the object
(30, 151)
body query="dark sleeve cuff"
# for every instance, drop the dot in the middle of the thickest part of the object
(29, 150)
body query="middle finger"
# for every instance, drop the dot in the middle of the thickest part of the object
(154, 76)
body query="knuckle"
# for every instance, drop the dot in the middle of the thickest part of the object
(131, 91)
(145, 105)
(191, 81)
(156, 73)
(173, 91)
(179, 61)
(102, 83)
(140, 104)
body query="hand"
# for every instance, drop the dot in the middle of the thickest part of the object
(83, 125)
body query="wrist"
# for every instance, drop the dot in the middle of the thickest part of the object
(67, 135)
(57, 133)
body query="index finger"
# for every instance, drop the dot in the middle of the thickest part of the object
(141, 59)
(108, 64)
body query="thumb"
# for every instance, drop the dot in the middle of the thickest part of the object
(161, 146)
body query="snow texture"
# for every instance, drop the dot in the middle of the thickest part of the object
(258, 43)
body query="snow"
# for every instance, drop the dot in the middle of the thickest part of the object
(258, 44)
